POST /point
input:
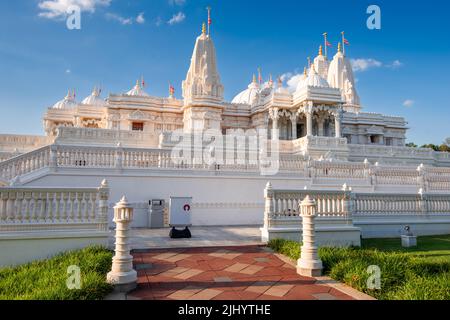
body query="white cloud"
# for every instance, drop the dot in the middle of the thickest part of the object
(177, 2)
(120, 19)
(177, 18)
(408, 103)
(292, 80)
(140, 18)
(395, 64)
(158, 21)
(68, 71)
(361, 65)
(56, 9)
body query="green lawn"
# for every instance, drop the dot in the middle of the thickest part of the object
(47, 279)
(434, 248)
(422, 273)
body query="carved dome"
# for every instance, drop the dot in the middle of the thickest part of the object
(137, 91)
(94, 99)
(67, 103)
(313, 80)
(249, 95)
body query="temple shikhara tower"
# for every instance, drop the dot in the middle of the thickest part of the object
(322, 143)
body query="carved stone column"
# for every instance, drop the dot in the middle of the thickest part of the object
(275, 127)
(294, 126)
(338, 123)
(309, 264)
(309, 121)
(122, 274)
(321, 125)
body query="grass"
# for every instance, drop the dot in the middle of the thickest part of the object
(422, 273)
(46, 280)
(434, 248)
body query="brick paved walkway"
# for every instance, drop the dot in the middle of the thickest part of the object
(232, 273)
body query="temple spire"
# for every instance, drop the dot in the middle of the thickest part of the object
(339, 47)
(320, 51)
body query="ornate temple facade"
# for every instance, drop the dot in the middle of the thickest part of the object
(324, 104)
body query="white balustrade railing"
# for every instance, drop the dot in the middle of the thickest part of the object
(343, 170)
(401, 204)
(285, 203)
(73, 156)
(396, 175)
(390, 204)
(30, 209)
(282, 206)
(25, 163)
(438, 183)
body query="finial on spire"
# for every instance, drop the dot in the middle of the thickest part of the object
(260, 79)
(309, 62)
(254, 78)
(280, 82)
(204, 28)
(320, 51)
(339, 47)
(270, 81)
(171, 90)
(304, 71)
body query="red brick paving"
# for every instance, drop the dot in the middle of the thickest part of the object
(205, 274)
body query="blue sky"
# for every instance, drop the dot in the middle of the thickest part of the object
(405, 65)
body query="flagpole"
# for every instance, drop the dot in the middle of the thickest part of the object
(326, 42)
(343, 42)
(209, 20)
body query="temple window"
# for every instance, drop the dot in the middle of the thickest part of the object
(137, 126)
(389, 141)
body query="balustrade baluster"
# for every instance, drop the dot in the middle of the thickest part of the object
(79, 202)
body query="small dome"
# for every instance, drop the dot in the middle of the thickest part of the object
(67, 103)
(94, 99)
(313, 80)
(302, 82)
(137, 91)
(249, 95)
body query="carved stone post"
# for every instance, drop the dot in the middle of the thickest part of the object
(348, 203)
(423, 201)
(268, 210)
(53, 157)
(309, 264)
(118, 160)
(421, 178)
(122, 275)
(103, 205)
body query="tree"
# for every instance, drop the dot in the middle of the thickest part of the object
(444, 148)
(411, 145)
(431, 146)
